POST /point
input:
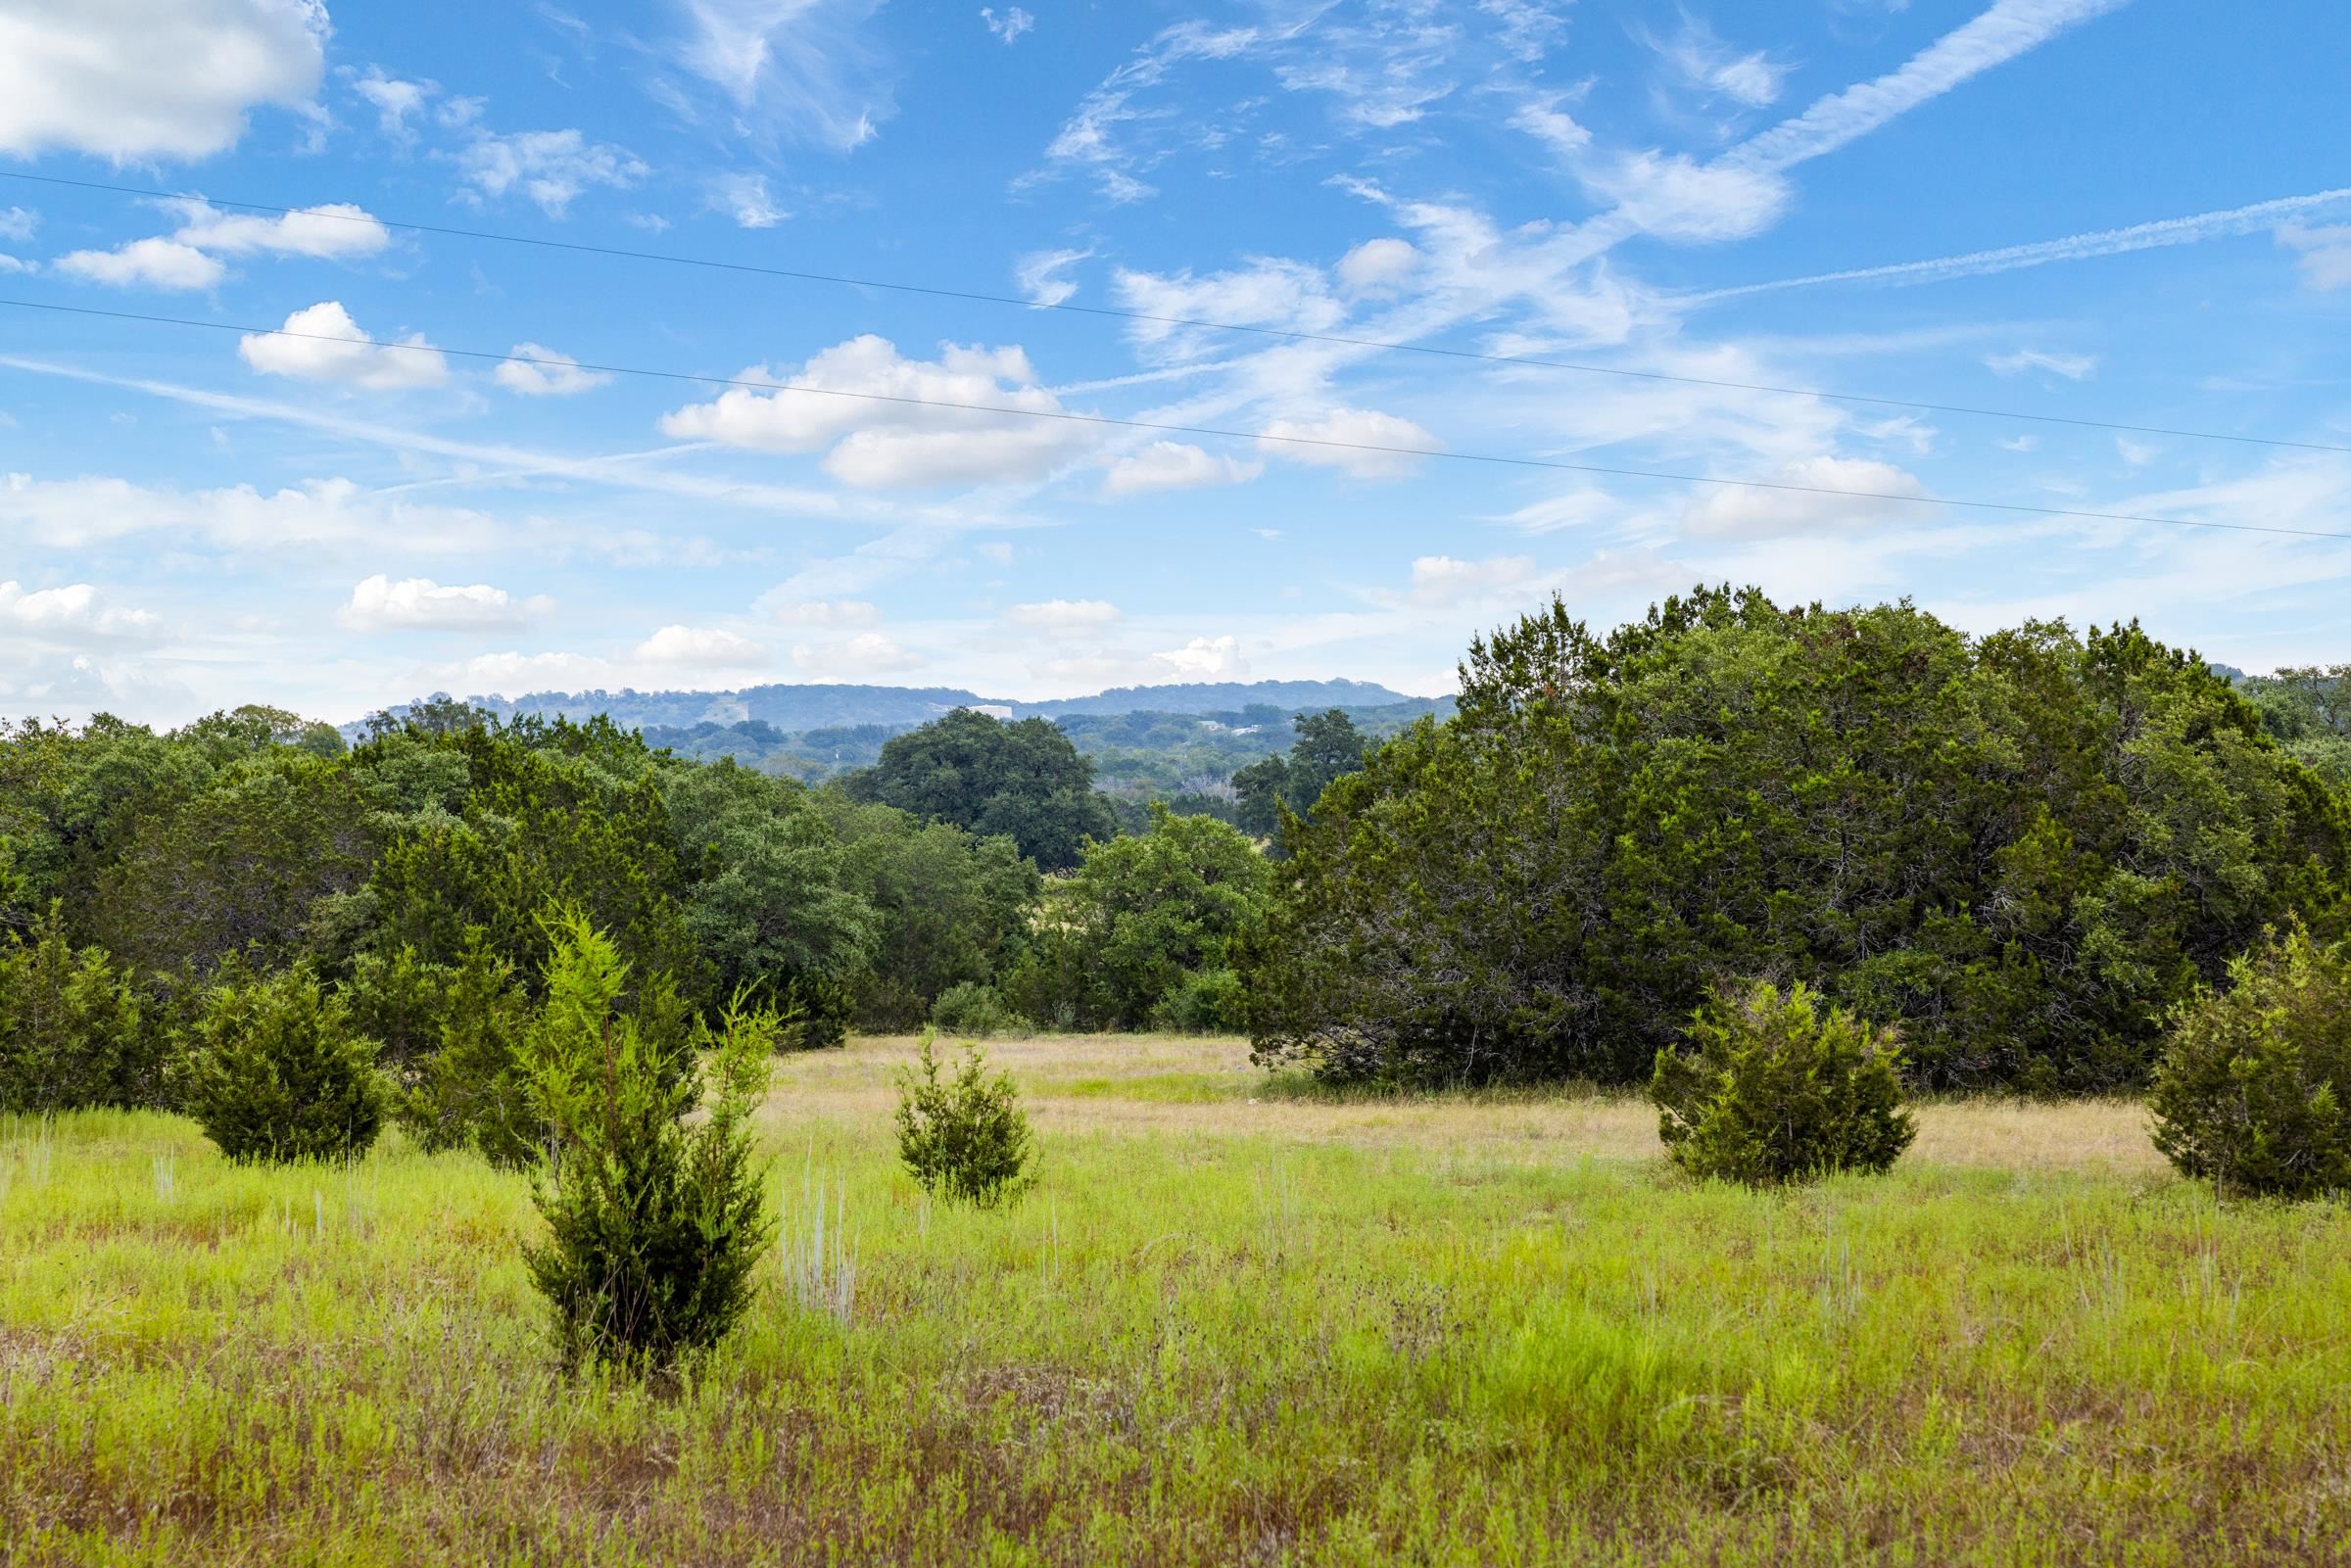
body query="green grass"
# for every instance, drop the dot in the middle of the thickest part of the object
(1186, 1347)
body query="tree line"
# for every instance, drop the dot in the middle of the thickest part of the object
(2017, 851)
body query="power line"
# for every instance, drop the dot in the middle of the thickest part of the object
(1070, 416)
(1145, 317)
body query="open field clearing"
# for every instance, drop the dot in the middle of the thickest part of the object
(1237, 1323)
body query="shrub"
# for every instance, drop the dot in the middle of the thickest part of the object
(279, 1075)
(2254, 1081)
(1775, 1091)
(972, 1009)
(70, 1030)
(472, 1087)
(1210, 1002)
(654, 1215)
(966, 1140)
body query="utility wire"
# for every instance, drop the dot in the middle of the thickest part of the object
(1069, 416)
(1284, 334)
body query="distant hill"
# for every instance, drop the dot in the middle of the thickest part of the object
(1223, 696)
(794, 709)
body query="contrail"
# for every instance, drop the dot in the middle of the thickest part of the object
(2074, 248)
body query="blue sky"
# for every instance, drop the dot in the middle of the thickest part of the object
(2102, 210)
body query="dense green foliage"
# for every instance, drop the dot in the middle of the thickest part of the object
(1329, 746)
(950, 910)
(276, 1073)
(966, 1140)
(1774, 1088)
(71, 1033)
(654, 1219)
(2254, 1093)
(2019, 849)
(1023, 779)
(971, 1009)
(1144, 919)
(2309, 711)
(410, 873)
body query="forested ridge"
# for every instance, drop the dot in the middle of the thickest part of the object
(2019, 850)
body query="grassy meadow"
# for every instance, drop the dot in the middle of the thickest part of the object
(1238, 1322)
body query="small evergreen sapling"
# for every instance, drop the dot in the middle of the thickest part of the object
(277, 1074)
(966, 1140)
(1777, 1090)
(2254, 1090)
(655, 1216)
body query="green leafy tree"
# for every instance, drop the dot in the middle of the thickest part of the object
(257, 864)
(472, 1087)
(1021, 780)
(767, 905)
(1328, 746)
(2254, 1091)
(1138, 919)
(276, 1073)
(655, 1215)
(949, 908)
(549, 813)
(70, 1031)
(2021, 849)
(1775, 1089)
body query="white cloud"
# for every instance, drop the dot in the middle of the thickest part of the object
(540, 373)
(865, 655)
(2138, 454)
(1674, 196)
(76, 514)
(746, 200)
(879, 444)
(125, 80)
(329, 346)
(1994, 37)
(1707, 65)
(800, 69)
(1543, 119)
(1443, 581)
(826, 612)
(553, 168)
(9, 266)
(1090, 138)
(395, 100)
(1269, 292)
(18, 222)
(2072, 366)
(2326, 255)
(1333, 442)
(521, 673)
(1207, 658)
(73, 614)
(1176, 465)
(1009, 26)
(1064, 618)
(1039, 273)
(995, 550)
(420, 604)
(2192, 230)
(334, 229)
(703, 646)
(1378, 267)
(1741, 511)
(153, 264)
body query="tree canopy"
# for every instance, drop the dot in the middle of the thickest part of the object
(1023, 779)
(2019, 849)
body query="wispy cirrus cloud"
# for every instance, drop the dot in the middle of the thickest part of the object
(2257, 218)
(803, 71)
